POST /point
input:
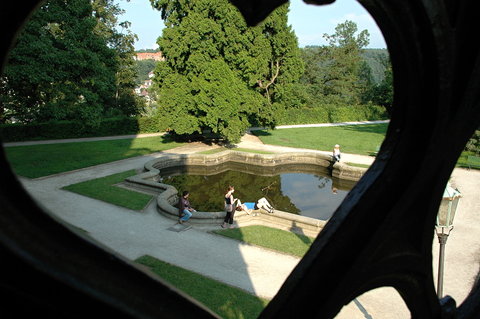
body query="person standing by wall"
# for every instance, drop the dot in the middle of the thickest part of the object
(229, 207)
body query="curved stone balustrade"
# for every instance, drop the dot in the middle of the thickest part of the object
(267, 164)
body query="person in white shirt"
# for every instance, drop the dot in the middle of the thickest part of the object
(336, 153)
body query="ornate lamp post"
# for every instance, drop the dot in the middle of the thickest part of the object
(444, 225)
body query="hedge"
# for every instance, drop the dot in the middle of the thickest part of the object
(333, 114)
(136, 125)
(74, 129)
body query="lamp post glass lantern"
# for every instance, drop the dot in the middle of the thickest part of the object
(444, 225)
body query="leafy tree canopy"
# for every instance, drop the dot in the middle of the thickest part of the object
(147, 50)
(121, 40)
(68, 63)
(381, 93)
(344, 73)
(144, 67)
(219, 74)
(341, 78)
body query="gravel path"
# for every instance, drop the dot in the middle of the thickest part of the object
(132, 234)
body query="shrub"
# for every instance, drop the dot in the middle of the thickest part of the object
(75, 129)
(333, 114)
(152, 124)
(473, 145)
(36, 131)
(329, 113)
(304, 116)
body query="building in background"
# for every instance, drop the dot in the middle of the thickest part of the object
(142, 90)
(157, 56)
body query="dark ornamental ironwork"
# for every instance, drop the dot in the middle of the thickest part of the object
(381, 235)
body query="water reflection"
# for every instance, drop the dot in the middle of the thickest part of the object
(315, 196)
(299, 189)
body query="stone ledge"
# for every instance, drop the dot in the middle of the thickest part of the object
(296, 223)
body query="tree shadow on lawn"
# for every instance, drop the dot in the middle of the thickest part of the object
(206, 138)
(261, 133)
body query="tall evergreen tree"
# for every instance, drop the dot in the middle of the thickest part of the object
(220, 74)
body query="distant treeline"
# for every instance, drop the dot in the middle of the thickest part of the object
(374, 59)
(147, 51)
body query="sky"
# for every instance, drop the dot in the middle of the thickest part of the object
(309, 22)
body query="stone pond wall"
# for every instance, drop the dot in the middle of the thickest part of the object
(270, 163)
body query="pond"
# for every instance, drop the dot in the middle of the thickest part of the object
(307, 190)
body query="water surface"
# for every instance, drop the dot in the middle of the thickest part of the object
(298, 189)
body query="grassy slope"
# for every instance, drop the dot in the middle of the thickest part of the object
(103, 189)
(355, 139)
(271, 238)
(227, 301)
(41, 160)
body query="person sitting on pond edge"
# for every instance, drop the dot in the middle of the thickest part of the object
(185, 210)
(265, 205)
(246, 207)
(336, 153)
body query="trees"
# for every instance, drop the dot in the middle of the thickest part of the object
(382, 93)
(68, 63)
(473, 145)
(220, 75)
(333, 72)
(143, 68)
(59, 69)
(344, 62)
(343, 73)
(122, 42)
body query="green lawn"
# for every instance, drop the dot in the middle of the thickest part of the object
(103, 189)
(355, 139)
(41, 160)
(227, 301)
(463, 159)
(35, 161)
(271, 238)
(239, 149)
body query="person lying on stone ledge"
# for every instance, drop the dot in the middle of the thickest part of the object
(248, 207)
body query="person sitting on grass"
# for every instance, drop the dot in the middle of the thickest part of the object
(185, 210)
